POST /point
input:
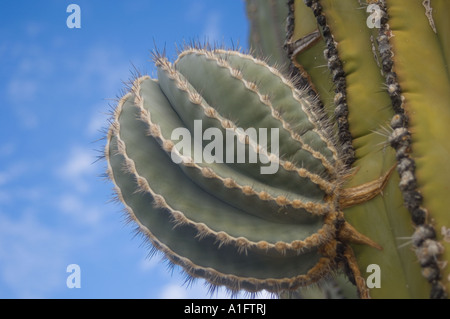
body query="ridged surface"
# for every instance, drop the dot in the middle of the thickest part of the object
(425, 90)
(225, 221)
(394, 98)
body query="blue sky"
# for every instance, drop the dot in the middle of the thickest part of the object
(56, 86)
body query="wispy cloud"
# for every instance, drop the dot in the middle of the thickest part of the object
(32, 257)
(212, 29)
(199, 290)
(98, 121)
(173, 291)
(31, 67)
(22, 89)
(148, 264)
(78, 168)
(80, 211)
(103, 68)
(11, 190)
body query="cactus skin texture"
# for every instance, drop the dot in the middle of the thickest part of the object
(227, 222)
(268, 30)
(388, 88)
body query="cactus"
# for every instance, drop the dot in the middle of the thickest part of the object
(387, 85)
(234, 223)
(322, 144)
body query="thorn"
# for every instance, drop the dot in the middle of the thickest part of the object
(365, 192)
(349, 234)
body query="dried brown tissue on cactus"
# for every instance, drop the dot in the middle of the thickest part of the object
(230, 224)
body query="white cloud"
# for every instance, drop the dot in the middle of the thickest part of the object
(102, 68)
(199, 289)
(211, 30)
(79, 163)
(22, 89)
(11, 190)
(79, 210)
(173, 291)
(78, 168)
(32, 257)
(148, 264)
(32, 69)
(98, 120)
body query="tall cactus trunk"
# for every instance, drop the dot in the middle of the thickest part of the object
(387, 66)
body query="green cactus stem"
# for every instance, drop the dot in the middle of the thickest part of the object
(382, 92)
(220, 218)
(421, 103)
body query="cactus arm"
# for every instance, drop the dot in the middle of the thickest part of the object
(166, 170)
(201, 254)
(221, 227)
(228, 226)
(207, 176)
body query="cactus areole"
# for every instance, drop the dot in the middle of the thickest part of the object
(205, 203)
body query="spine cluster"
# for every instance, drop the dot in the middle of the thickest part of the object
(338, 76)
(426, 246)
